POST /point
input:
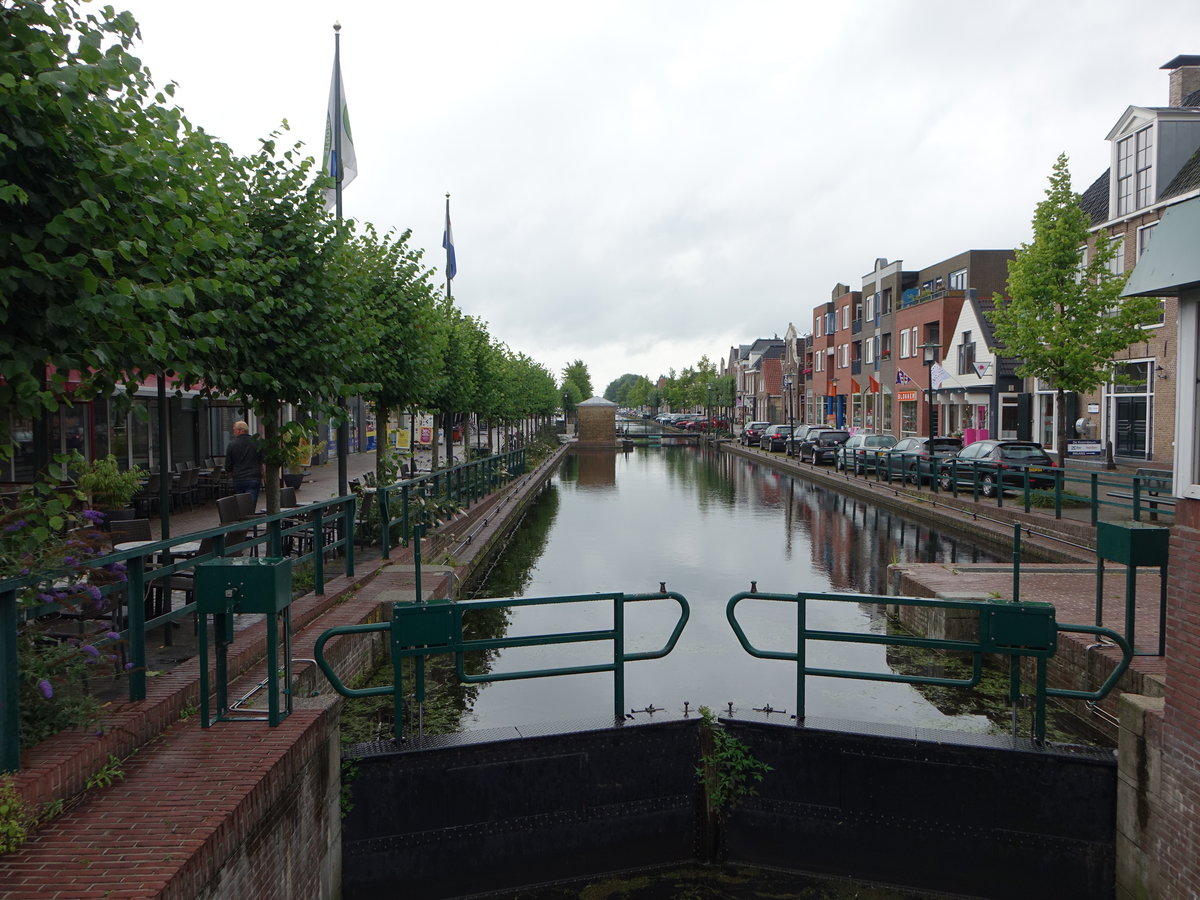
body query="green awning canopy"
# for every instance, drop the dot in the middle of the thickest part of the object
(1171, 264)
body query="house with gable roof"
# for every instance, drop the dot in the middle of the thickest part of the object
(1155, 164)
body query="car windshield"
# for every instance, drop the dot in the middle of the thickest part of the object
(878, 440)
(944, 445)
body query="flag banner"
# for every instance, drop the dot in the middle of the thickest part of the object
(448, 245)
(855, 387)
(981, 368)
(338, 160)
(901, 378)
(872, 384)
(937, 375)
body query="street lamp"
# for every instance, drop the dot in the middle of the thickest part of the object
(708, 397)
(929, 355)
(787, 386)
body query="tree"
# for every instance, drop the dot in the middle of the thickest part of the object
(1064, 318)
(577, 372)
(112, 205)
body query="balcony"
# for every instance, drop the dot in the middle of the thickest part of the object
(856, 326)
(856, 367)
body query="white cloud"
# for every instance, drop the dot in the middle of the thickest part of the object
(637, 184)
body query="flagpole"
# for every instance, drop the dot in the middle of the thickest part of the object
(343, 430)
(446, 241)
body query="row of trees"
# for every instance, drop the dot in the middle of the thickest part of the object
(134, 243)
(694, 387)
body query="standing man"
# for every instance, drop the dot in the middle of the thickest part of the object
(244, 462)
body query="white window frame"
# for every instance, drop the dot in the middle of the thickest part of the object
(1144, 234)
(903, 343)
(846, 316)
(914, 342)
(869, 350)
(958, 280)
(819, 362)
(1116, 265)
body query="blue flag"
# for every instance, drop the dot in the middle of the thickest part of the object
(448, 246)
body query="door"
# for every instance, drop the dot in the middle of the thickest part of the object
(1131, 426)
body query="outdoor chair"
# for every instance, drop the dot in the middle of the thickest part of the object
(145, 501)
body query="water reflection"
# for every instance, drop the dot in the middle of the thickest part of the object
(708, 525)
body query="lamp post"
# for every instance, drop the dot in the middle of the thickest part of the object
(708, 399)
(929, 355)
(787, 387)
(566, 419)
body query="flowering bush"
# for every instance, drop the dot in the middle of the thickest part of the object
(50, 547)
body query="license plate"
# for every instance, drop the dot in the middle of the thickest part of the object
(1036, 469)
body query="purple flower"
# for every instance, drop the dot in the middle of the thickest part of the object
(90, 651)
(16, 526)
(128, 666)
(70, 561)
(45, 598)
(93, 515)
(46, 688)
(113, 636)
(94, 592)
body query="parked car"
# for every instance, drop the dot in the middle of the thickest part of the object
(996, 464)
(917, 459)
(822, 445)
(775, 437)
(799, 434)
(862, 452)
(753, 432)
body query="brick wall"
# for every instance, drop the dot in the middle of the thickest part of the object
(1176, 829)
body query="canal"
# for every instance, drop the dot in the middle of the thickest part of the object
(708, 525)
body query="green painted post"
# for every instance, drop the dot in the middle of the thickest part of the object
(385, 521)
(1016, 597)
(801, 655)
(404, 526)
(10, 710)
(319, 550)
(136, 605)
(1026, 485)
(348, 531)
(1059, 475)
(1095, 498)
(1137, 507)
(619, 657)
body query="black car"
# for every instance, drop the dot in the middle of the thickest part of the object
(799, 433)
(917, 459)
(822, 445)
(753, 431)
(775, 437)
(996, 464)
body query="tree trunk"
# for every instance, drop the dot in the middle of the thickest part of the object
(382, 450)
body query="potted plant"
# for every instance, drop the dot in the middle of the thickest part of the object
(109, 489)
(298, 453)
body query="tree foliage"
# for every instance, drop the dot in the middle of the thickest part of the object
(577, 372)
(1064, 317)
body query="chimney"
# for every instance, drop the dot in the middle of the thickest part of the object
(1185, 78)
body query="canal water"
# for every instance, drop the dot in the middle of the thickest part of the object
(708, 525)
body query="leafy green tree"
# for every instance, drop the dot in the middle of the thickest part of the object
(1065, 318)
(291, 329)
(113, 207)
(577, 372)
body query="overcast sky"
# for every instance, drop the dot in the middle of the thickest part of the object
(636, 184)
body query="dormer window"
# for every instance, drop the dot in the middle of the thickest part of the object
(1135, 171)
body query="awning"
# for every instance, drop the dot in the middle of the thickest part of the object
(1170, 264)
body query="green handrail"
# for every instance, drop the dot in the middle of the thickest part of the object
(1012, 629)
(134, 625)
(427, 629)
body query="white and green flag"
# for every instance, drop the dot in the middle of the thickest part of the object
(340, 162)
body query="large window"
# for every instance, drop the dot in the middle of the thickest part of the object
(904, 343)
(1116, 265)
(966, 355)
(1135, 172)
(958, 280)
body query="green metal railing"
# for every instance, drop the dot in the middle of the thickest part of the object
(1014, 630)
(1141, 495)
(419, 630)
(126, 602)
(461, 484)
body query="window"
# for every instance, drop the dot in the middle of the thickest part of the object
(818, 326)
(885, 302)
(869, 349)
(819, 362)
(858, 311)
(966, 355)
(913, 342)
(1135, 172)
(1144, 234)
(843, 356)
(958, 280)
(830, 322)
(872, 302)
(846, 316)
(885, 345)
(1116, 265)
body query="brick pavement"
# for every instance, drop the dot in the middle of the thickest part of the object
(191, 797)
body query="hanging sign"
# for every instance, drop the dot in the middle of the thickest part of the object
(981, 368)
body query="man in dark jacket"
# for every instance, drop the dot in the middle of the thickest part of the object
(244, 462)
